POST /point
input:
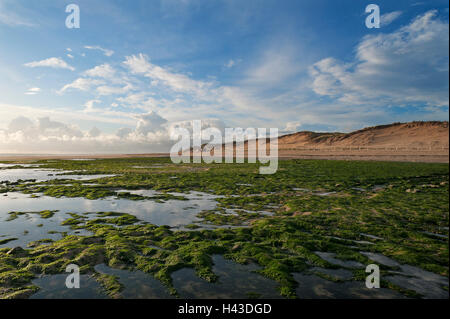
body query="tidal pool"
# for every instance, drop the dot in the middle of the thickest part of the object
(31, 227)
(330, 257)
(235, 281)
(54, 287)
(41, 175)
(426, 283)
(137, 284)
(342, 274)
(313, 287)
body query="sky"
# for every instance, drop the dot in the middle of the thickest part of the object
(135, 70)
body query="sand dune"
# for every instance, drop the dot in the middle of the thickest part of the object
(413, 135)
(413, 141)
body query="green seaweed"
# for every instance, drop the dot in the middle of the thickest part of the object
(341, 207)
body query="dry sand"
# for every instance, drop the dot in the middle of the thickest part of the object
(405, 142)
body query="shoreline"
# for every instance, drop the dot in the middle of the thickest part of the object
(351, 156)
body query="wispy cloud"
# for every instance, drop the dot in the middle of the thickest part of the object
(12, 19)
(113, 90)
(106, 52)
(33, 91)
(291, 127)
(388, 18)
(409, 65)
(140, 64)
(56, 63)
(103, 71)
(82, 84)
(89, 105)
(283, 81)
(275, 66)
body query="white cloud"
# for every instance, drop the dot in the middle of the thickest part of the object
(103, 78)
(33, 91)
(103, 71)
(94, 132)
(123, 132)
(12, 19)
(56, 63)
(409, 65)
(66, 114)
(205, 123)
(106, 52)
(230, 64)
(273, 88)
(275, 66)
(70, 56)
(20, 123)
(43, 129)
(150, 123)
(140, 64)
(151, 134)
(134, 99)
(292, 127)
(389, 17)
(49, 128)
(113, 90)
(89, 105)
(82, 84)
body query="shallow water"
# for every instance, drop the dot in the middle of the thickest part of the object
(325, 194)
(424, 282)
(330, 257)
(371, 236)
(435, 235)
(31, 227)
(342, 274)
(235, 281)
(301, 189)
(150, 166)
(313, 287)
(41, 175)
(54, 287)
(137, 284)
(2, 165)
(174, 213)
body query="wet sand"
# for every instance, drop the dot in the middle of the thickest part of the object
(37, 157)
(424, 157)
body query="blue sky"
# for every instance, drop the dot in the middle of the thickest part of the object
(135, 69)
